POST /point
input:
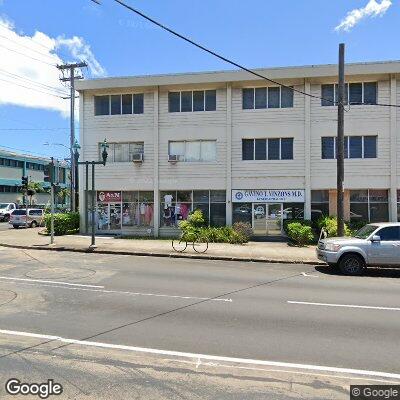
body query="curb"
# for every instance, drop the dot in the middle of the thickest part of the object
(165, 255)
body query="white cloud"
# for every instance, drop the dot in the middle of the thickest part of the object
(81, 51)
(28, 73)
(371, 10)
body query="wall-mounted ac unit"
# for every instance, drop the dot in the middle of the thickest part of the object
(137, 157)
(173, 158)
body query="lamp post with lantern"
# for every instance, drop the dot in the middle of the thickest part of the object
(104, 155)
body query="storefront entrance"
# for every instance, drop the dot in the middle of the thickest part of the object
(109, 217)
(267, 219)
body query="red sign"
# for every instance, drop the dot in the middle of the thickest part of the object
(108, 197)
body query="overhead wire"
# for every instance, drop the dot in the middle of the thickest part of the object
(227, 60)
(26, 55)
(31, 88)
(47, 87)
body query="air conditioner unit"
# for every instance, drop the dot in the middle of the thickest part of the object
(173, 158)
(137, 157)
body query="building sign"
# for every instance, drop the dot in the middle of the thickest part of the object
(109, 197)
(268, 196)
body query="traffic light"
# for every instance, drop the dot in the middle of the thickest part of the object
(49, 173)
(24, 182)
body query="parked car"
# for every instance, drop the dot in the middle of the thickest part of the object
(375, 245)
(35, 218)
(6, 209)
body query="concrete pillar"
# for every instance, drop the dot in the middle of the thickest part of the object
(307, 150)
(228, 154)
(156, 217)
(393, 151)
(332, 202)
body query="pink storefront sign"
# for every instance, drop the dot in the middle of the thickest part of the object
(109, 197)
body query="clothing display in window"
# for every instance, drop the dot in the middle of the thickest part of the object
(168, 200)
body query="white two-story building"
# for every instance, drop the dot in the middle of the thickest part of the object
(240, 148)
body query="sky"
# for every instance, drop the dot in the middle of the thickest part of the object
(36, 35)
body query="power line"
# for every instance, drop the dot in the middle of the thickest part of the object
(43, 85)
(26, 55)
(27, 151)
(201, 47)
(26, 47)
(188, 40)
(47, 87)
(31, 88)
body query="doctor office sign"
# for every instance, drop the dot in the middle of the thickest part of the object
(268, 196)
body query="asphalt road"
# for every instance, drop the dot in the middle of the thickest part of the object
(5, 226)
(262, 330)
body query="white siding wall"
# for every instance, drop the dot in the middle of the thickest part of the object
(120, 128)
(359, 120)
(210, 125)
(267, 123)
(262, 123)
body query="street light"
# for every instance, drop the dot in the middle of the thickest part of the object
(73, 184)
(104, 155)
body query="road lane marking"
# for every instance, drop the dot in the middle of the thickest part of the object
(207, 357)
(309, 275)
(124, 292)
(306, 303)
(10, 278)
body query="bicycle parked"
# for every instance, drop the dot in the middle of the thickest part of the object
(199, 244)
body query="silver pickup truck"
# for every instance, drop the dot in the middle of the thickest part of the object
(373, 245)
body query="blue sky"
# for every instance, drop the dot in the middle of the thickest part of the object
(256, 33)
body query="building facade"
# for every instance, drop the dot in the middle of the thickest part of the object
(240, 148)
(13, 166)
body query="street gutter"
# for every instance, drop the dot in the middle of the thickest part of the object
(165, 255)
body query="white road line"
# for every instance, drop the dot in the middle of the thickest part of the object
(197, 357)
(306, 303)
(10, 278)
(308, 275)
(125, 293)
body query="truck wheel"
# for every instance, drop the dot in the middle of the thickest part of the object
(33, 224)
(352, 264)
(6, 218)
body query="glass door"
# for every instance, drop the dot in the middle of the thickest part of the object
(115, 216)
(259, 222)
(274, 219)
(103, 217)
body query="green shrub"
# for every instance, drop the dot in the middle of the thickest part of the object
(63, 223)
(193, 228)
(330, 226)
(244, 229)
(300, 233)
(286, 222)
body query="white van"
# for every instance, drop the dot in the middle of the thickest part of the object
(35, 218)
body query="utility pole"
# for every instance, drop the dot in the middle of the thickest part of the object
(71, 68)
(340, 144)
(52, 180)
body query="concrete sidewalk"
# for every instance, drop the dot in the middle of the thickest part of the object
(252, 251)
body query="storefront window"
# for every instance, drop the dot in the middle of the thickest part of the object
(319, 204)
(131, 209)
(369, 205)
(359, 205)
(378, 206)
(241, 212)
(176, 205)
(293, 211)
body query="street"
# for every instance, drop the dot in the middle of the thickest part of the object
(103, 325)
(5, 226)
